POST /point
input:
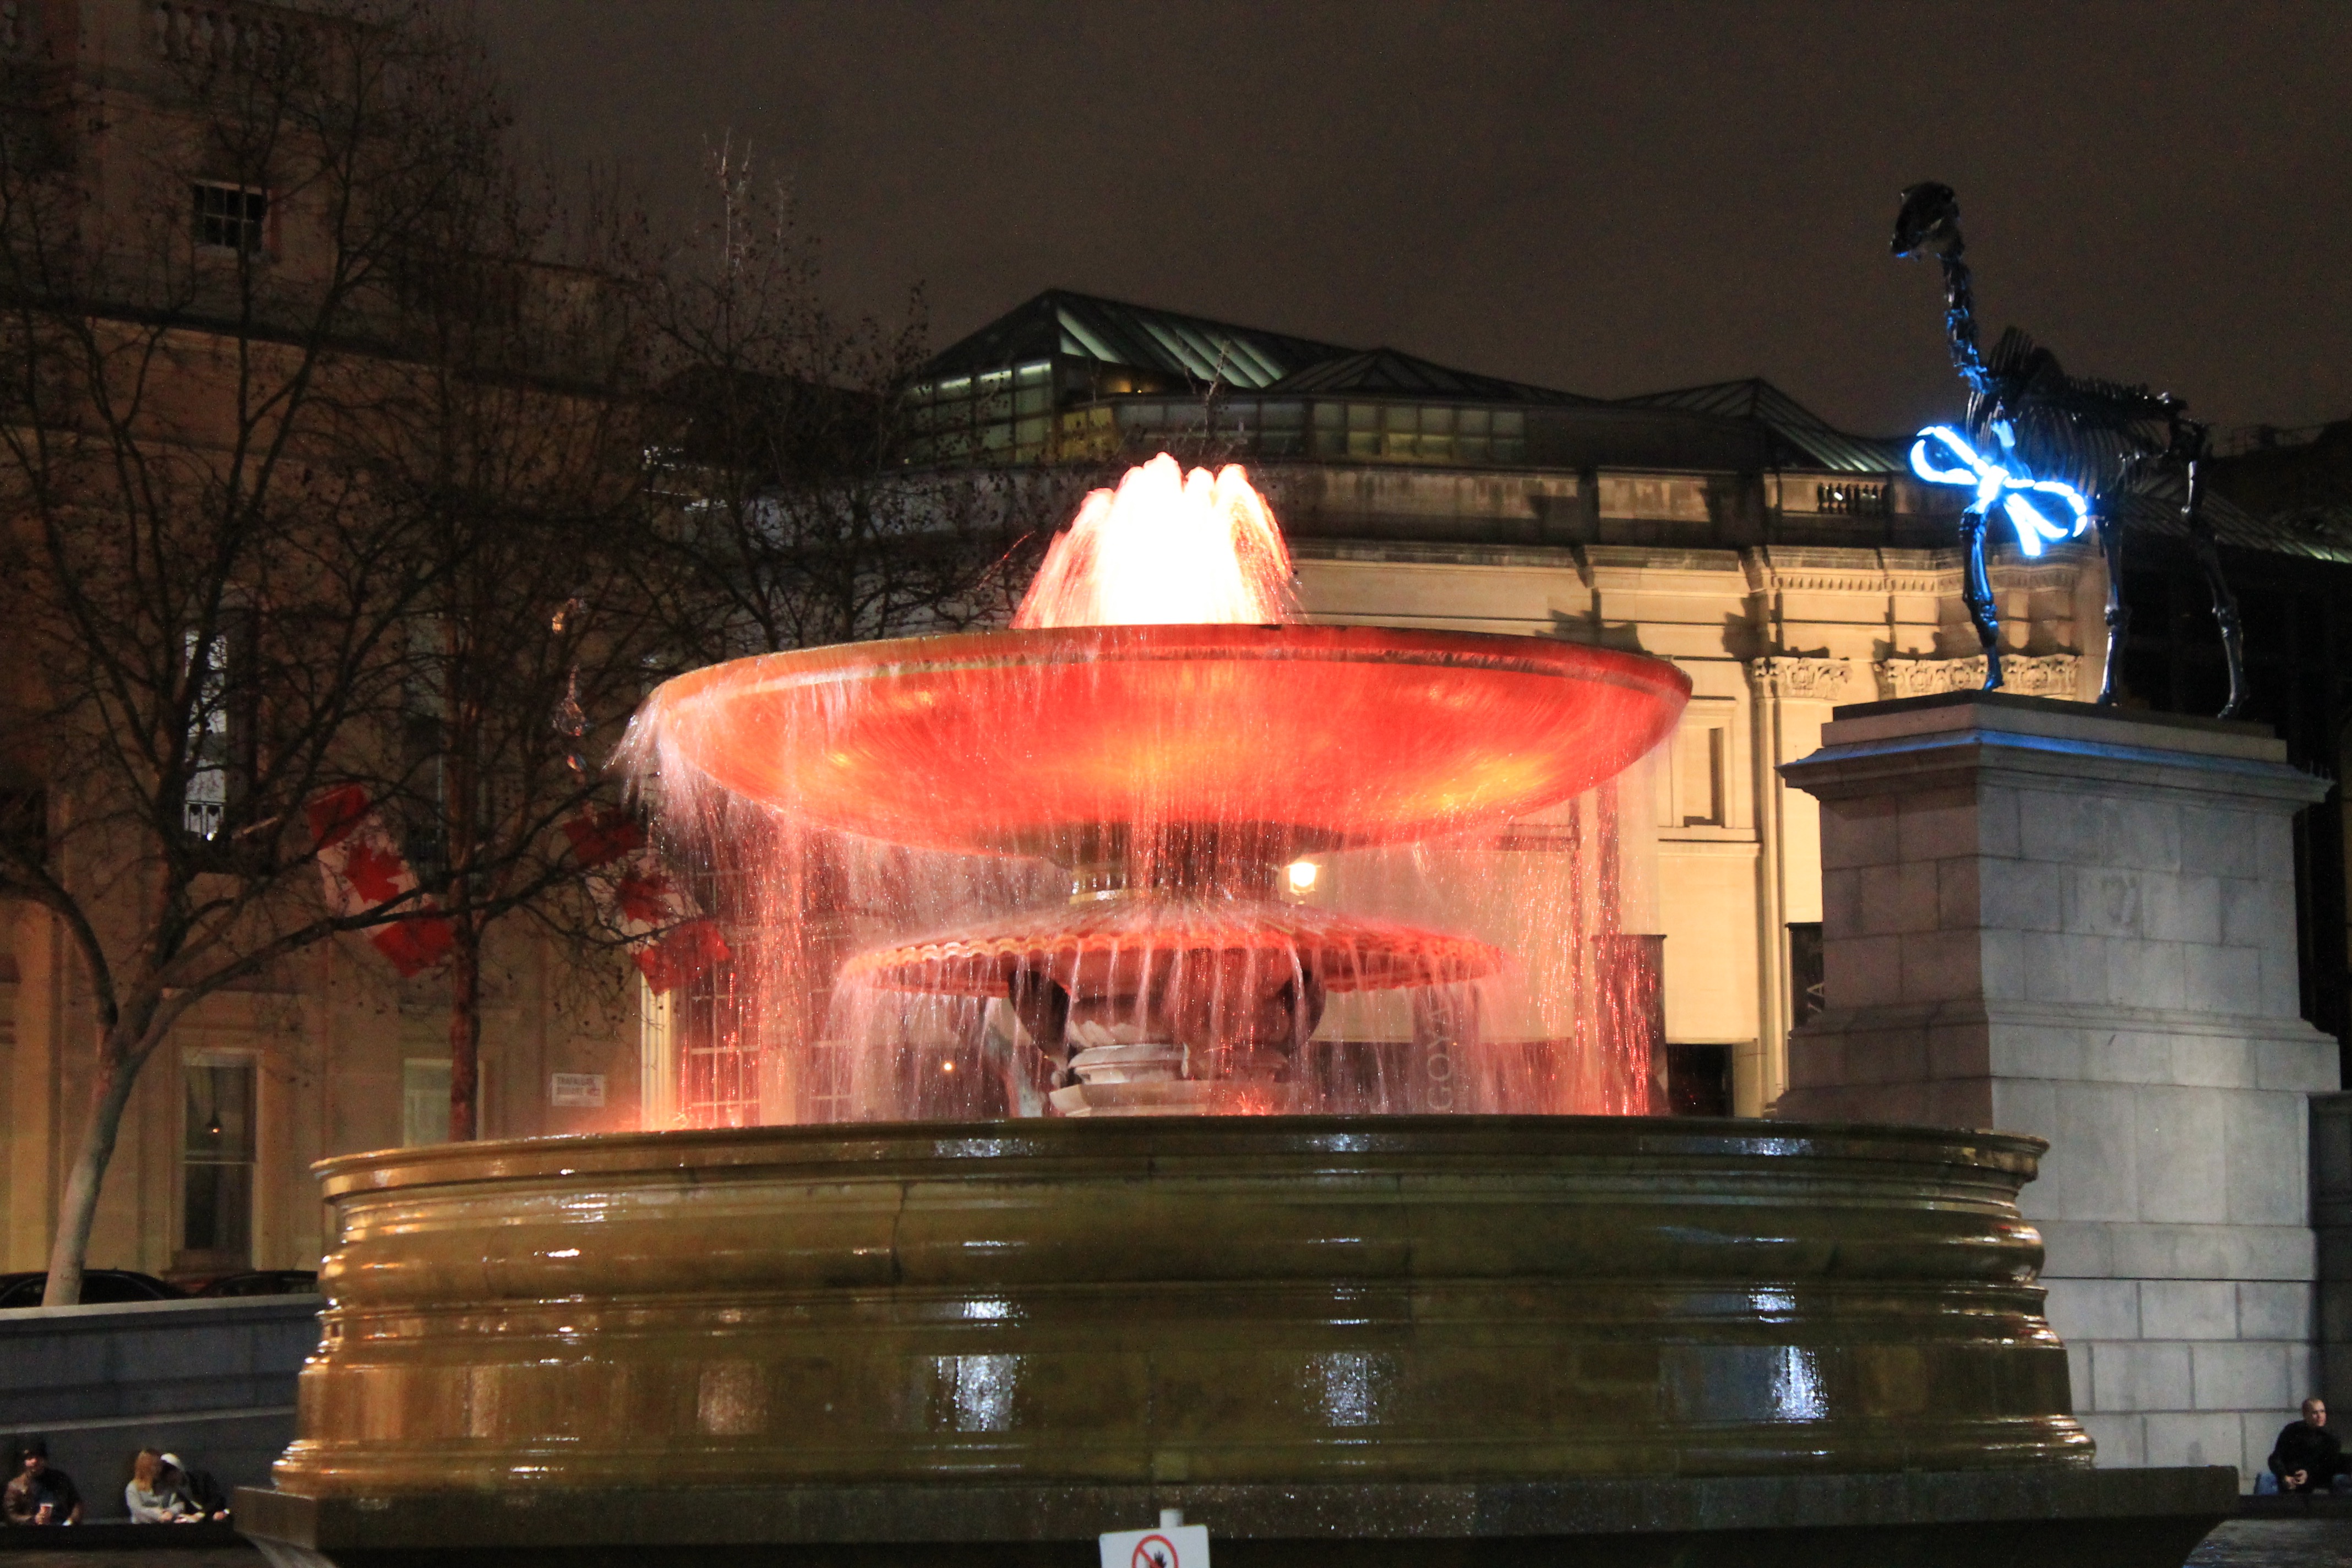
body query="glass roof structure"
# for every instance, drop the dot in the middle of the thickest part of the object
(1390, 370)
(1075, 377)
(1162, 344)
(1811, 442)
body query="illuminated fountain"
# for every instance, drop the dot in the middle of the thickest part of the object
(1161, 744)
(1329, 1337)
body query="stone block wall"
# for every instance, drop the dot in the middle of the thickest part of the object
(212, 1381)
(2050, 920)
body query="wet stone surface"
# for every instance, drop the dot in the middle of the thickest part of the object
(2277, 1543)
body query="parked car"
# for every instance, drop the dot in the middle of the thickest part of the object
(263, 1282)
(99, 1287)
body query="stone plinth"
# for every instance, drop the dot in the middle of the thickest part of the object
(2050, 918)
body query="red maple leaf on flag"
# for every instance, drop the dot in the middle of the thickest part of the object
(601, 837)
(415, 946)
(375, 870)
(644, 897)
(683, 955)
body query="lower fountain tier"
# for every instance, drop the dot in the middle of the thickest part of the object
(1194, 1300)
(1129, 944)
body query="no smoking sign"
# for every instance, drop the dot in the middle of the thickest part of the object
(1172, 1545)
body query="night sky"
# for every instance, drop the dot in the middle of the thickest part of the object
(1610, 198)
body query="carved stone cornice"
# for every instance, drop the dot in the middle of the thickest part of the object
(1782, 568)
(1815, 680)
(2022, 675)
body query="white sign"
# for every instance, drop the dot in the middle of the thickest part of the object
(1170, 1546)
(575, 1088)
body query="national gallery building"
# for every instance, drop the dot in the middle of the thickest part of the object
(1787, 567)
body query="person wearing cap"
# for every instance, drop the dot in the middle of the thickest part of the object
(151, 1496)
(38, 1494)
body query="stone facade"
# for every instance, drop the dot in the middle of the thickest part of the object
(2077, 924)
(1773, 638)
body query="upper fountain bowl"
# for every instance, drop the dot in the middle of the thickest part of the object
(1291, 738)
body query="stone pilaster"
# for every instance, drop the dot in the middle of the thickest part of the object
(2052, 919)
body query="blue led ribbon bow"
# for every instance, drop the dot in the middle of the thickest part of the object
(2003, 481)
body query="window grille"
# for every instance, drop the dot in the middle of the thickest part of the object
(205, 799)
(216, 1161)
(718, 1052)
(424, 1102)
(231, 217)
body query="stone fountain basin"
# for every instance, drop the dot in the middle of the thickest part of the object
(1197, 1300)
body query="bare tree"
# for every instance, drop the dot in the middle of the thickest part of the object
(511, 436)
(790, 518)
(217, 599)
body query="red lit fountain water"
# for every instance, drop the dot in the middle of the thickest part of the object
(1074, 858)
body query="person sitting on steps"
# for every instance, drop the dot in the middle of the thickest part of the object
(2306, 1457)
(151, 1496)
(38, 1494)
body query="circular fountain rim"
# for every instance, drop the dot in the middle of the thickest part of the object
(1510, 652)
(873, 1147)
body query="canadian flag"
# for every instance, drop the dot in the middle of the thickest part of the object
(364, 869)
(670, 938)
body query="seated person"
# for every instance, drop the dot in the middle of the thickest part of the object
(38, 1494)
(2306, 1457)
(150, 1497)
(195, 1489)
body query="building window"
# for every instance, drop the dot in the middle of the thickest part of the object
(1411, 433)
(1847, 500)
(1699, 776)
(232, 218)
(216, 1163)
(206, 796)
(424, 1102)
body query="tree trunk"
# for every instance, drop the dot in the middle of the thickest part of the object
(465, 1028)
(70, 1250)
(460, 737)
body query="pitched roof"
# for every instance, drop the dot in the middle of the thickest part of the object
(1390, 371)
(1112, 332)
(1806, 439)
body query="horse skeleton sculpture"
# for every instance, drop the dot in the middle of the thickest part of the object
(2038, 441)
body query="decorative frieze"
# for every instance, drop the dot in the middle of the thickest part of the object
(1824, 569)
(1815, 680)
(2022, 675)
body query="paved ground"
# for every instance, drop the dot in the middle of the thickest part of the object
(201, 1557)
(2240, 1543)
(2275, 1543)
